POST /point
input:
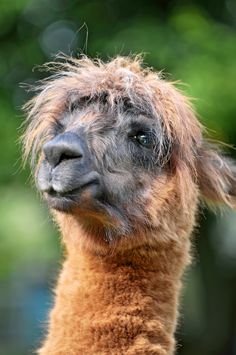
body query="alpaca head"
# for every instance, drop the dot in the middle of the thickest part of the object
(119, 153)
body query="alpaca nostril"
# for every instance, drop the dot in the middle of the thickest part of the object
(66, 156)
(65, 146)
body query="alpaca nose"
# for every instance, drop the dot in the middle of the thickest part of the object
(65, 146)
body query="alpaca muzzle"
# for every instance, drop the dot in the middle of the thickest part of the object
(66, 173)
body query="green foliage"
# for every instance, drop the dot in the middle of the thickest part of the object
(25, 232)
(193, 43)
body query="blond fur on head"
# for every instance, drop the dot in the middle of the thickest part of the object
(121, 79)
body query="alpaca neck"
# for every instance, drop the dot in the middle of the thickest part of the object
(119, 304)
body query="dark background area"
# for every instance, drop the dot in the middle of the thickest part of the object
(192, 41)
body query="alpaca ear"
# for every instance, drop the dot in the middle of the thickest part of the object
(216, 176)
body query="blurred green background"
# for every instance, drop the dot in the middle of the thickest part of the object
(194, 41)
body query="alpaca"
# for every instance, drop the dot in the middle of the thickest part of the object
(121, 161)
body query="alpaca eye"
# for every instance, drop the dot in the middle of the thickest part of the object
(144, 139)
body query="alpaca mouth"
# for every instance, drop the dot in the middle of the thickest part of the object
(69, 199)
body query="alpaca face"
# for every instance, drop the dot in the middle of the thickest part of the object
(102, 163)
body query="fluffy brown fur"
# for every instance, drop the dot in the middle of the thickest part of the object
(119, 288)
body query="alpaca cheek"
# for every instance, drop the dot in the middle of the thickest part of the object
(165, 206)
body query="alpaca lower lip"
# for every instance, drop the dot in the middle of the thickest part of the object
(70, 199)
(73, 192)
